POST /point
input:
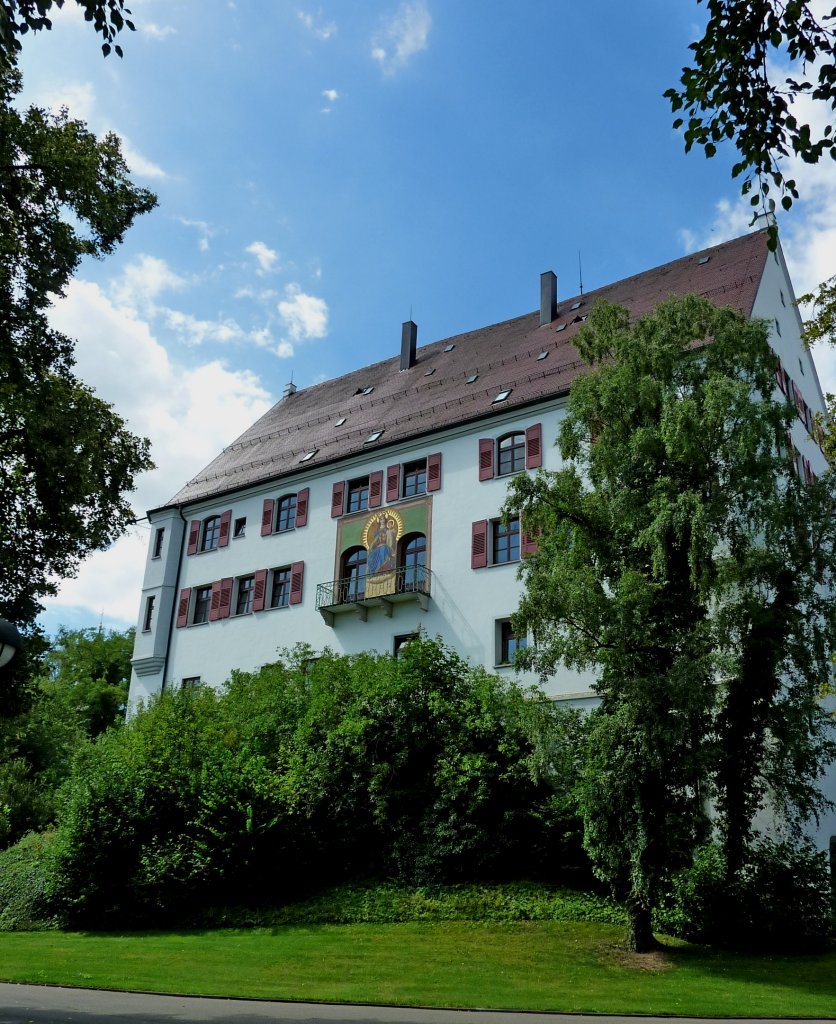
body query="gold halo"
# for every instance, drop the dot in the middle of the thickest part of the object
(371, 524)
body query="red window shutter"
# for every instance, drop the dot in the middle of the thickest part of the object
(528, 545)
(194, 536)
(267, 517)
(223, 538)
(183, 607)
(215, 605)
(393, 483)
(799, 401)
(337, 496)
(479, 545)
(226, 598)
(534, 446)
(375, 490)
(297, 575)
(808, 470)
(259, 590)
(486, 458)
(302, 507)
(434, 472)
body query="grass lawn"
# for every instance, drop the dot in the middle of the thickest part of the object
(521, 965)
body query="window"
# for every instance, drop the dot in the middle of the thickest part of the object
(149, 614)
(240, 527)
(286, 517)
(375, 436)
(510, 454)
(280, 588)
(358, 495)
(211, 533)
(415, 478)
(505, 541)
(244, 600)
(412, 559)
(309, 455)
(353, 575)
(189, 682)
(508, 643)
(202, 603)
(502, 396)
(158, 542)
(399, 642)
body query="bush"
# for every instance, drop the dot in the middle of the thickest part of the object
(781, 900)
(26, 871)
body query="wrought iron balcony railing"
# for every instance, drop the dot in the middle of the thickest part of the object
(364, 590)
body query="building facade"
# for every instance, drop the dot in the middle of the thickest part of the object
(365, 508)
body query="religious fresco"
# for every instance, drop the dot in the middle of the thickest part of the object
(379, 532)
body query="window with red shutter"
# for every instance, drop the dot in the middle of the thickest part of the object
(194, 536)
(259, 590)
(215, 606)
(393, 483)
(486, 446)
(479, 545)
(226, 598)
(534, 446)
(183, 607)
(297, 573)
(302, 507)
(376, 488)
(434, 472)
(528, 545)
(337, 498)
(226, 521)
(267, 517)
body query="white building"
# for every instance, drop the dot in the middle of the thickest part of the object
(362, 509)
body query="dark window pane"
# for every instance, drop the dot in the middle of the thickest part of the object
(246, 587)
(286, 519)
(202, 601)
(280, 592)
(415, 478)
(211, 533)
(511, 451)
(506, 541)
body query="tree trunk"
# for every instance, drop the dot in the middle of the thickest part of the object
(640, 929)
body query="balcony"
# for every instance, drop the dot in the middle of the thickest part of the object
(383, 590)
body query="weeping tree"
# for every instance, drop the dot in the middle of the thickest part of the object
(681, 559)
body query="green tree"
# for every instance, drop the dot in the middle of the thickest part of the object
(66, 458)
(731, 94)
(680, 558)
(17, 17)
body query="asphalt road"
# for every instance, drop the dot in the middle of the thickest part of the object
(34, 1004)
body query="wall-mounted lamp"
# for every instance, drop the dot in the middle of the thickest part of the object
(10, 642)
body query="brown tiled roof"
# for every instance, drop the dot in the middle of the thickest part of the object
(409, 403)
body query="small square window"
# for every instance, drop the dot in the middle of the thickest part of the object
(399, 642)
(309, 455)
(239, 528)
(367, 391)
(189, 682)
(158, 542)
(502, 396)
(472, 378)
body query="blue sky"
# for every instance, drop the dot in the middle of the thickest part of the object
(325, 171)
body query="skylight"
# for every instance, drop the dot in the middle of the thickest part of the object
(576, 305)
(309, 455)
(340, 421)
(367, 391)
(560, 327)
(373, 437)
(449, 348)
(430, 372)
(472, 378)
(703, 259)
(543, 355)
(502, 396)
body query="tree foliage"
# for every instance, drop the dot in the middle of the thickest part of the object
(731, 91)
(66, 458)
(680, 558)
(17, 17)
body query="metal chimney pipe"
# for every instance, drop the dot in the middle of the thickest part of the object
(548, 297)
(409, 339)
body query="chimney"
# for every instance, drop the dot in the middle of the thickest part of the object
(409, 337)
(548, 297)
(289, 389)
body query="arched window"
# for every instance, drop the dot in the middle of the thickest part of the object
(412, 559)
(286, 515)
(511, 453)
(211, 533)
(353, 575)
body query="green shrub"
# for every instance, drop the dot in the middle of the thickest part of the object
(26, 872)
(780, 901)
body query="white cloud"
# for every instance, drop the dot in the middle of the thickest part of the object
(304, 316)
(321, 29)
(331, 95)
(267, 258)
(203, 230)
(139, 164)
(188, 412)
(194, 331)
(77, 97)
(153, 31)
(402, 36)
(143, 281)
